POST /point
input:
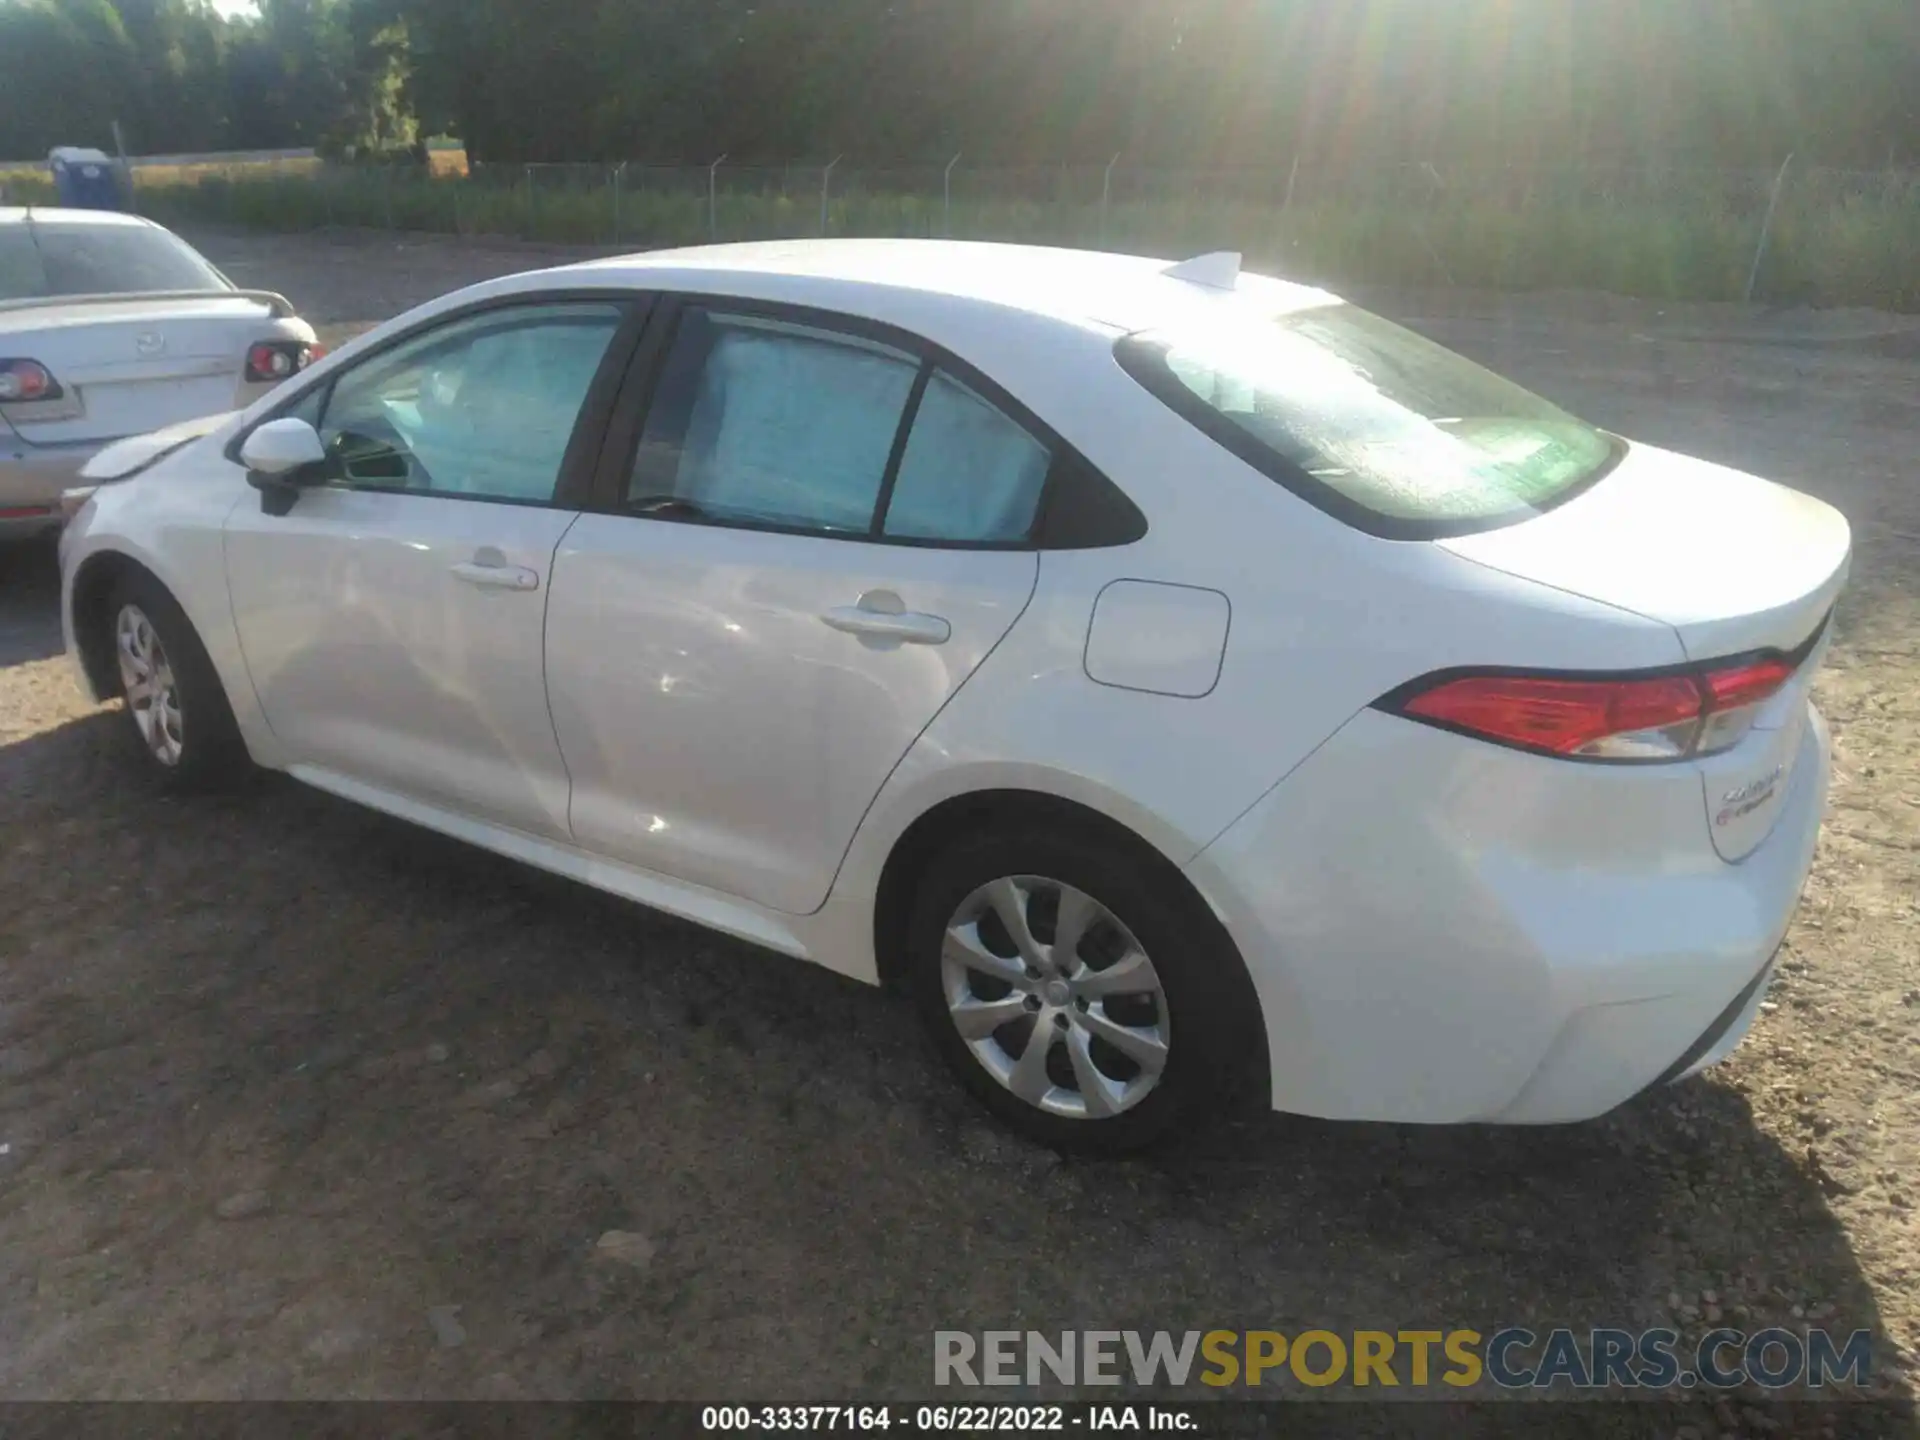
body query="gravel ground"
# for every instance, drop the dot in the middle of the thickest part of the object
(296, 1101)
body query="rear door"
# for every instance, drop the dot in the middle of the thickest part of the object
(392, 622)
(811, 540)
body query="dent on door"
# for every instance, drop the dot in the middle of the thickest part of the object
(376, 654)
(729, 702)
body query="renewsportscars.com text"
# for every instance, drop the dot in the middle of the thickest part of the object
(1510, 1358)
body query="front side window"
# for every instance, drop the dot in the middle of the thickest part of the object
(1369, 421)
(483, 407)
(42, 259)
(764, 422)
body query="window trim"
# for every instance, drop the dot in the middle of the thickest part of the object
(620, 448)
(1145, 361)
(574, 483)
(897, 455)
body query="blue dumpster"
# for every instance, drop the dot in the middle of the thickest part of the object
(86, 179)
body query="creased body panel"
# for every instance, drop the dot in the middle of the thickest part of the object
(717, 728)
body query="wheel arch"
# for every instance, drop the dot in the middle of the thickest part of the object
(93, 586)
(941, 824)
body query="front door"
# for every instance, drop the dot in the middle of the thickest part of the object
(392, 622)
(821, 537)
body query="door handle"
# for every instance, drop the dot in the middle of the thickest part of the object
(497, 577)
(904, 626)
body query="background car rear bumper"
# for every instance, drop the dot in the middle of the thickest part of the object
(1443, 930)
(32, 478)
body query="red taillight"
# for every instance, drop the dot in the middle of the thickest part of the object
(1559, 716)
(1739, 685)
(1656, 717)
(24, 381)
(272, 361)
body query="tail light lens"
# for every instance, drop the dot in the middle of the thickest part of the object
(24, 381)
(1656, 717)
(272, 361)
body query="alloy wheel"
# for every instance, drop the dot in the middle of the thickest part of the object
(146, 677)
(1055, 997)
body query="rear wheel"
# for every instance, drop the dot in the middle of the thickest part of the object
(182, 726)
(1072, 989)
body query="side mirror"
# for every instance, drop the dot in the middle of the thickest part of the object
(280, 456)
(280, 447)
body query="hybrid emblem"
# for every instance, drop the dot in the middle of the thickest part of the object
(149, 343)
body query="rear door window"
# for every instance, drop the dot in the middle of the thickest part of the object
(765, 422)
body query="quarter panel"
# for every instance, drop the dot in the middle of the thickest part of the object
(1424, 915)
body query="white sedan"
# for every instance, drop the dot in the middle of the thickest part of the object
(1185, 684)
(111, 326)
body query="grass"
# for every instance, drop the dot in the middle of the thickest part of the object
(31, 181)
(1854, 244)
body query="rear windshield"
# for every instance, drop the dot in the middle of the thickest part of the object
(1374, 424)
(42, 259)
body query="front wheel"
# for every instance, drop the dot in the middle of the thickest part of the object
(1074, 989)
(176, 707)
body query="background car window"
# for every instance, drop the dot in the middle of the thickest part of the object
(764, 422)
(483, 408)
(970, 473)
(41, 258)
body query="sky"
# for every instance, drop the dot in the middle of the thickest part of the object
(233, 7)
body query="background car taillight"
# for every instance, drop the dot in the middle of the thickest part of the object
(272, 361)
(24, 381)
(1656, 717)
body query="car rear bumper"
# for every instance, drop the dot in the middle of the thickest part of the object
(32, 478)
(1442, 930)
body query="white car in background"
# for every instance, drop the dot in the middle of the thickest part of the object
(1179, 680)
(111, 326)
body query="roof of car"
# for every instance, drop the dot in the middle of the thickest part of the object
(39, 214)
(1127, 292)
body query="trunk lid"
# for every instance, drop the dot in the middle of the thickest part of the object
(131, 366)
(1732, 562)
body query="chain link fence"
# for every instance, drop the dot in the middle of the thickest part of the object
(1793, 233)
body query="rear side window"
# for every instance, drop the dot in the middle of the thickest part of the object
(1378, 426)
(969, 473)
(41, 259)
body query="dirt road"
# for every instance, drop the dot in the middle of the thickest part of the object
(299, 1101)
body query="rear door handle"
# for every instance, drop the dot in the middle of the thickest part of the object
(497, 577)
(879, 616)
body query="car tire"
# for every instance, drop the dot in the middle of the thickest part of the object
(1190, 995)
(178, 718)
